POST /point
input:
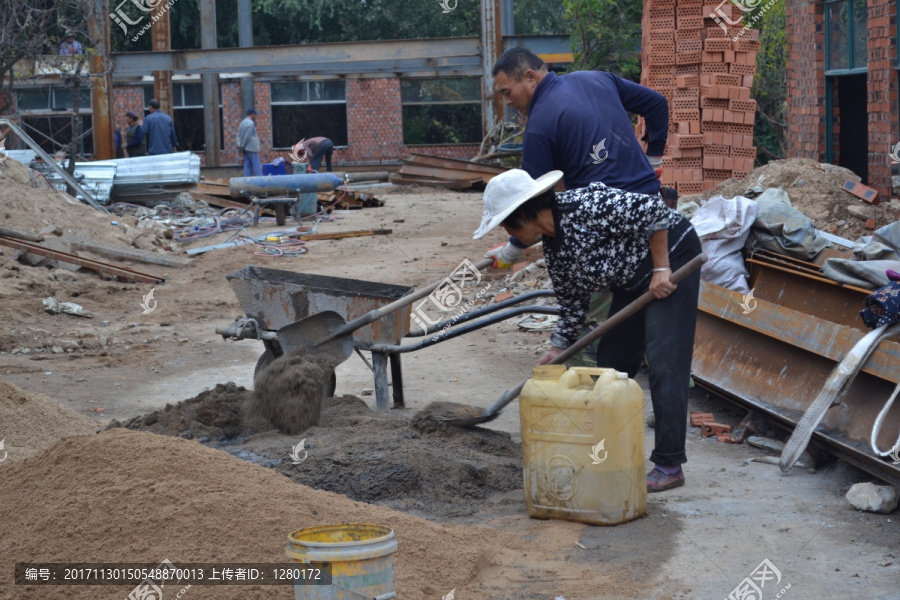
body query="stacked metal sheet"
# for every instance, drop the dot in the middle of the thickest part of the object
(157, 177)
(97, 178)
(26, 157)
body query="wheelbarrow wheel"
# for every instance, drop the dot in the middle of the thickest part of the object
(268, 356)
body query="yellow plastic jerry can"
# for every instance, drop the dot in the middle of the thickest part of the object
(583, 445)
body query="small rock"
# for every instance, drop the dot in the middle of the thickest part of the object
(886, 563)
(366, 392)
(861, 212)
(873, 498)
(56, 350)
(651, 420)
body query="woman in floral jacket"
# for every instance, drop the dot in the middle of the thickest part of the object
(600, 237)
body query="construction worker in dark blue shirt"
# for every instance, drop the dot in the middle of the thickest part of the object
(578, 124)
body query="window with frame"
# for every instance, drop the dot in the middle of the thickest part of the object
(846, 35)
(188, 115)
(306, 109)
(441, 111)
(46, 114)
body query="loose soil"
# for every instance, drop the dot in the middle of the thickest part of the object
(814, 189)
(354, 451)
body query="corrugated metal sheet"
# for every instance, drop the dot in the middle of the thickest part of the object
(23, 156)
(95, 177)
(180, 168)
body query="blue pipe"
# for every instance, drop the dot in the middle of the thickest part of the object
(279, 185)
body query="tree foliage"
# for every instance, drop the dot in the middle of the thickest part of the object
(278, 22)
(770, 85)
(606, 35)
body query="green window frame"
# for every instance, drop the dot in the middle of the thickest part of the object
(188, 115)
(441, 111)
(846, 37)
(308, 108)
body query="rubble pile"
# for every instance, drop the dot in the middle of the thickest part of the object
(815, 189)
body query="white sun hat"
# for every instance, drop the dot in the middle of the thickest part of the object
(509, 190)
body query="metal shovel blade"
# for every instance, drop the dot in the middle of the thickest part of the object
(316, 333)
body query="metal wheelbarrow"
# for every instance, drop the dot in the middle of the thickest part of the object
(272, 299)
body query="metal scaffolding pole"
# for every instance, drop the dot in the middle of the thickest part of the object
(211, 131)
(491, 47)
(245, 40)
(162, 41)
(101, 82)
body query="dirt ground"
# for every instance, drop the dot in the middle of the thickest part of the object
(699, 541)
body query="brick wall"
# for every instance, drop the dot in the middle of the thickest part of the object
(883, 127)
(804, 32)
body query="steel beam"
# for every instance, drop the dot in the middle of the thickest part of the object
(54, 166)
(211, 132)
(429, 57)
(162, 42)
(508, 20)
(777, 359)
(94, 265)
(101, 81)
(388, 57)
(491, 47)
(245, 40)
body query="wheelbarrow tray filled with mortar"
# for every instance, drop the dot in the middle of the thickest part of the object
(272, 299)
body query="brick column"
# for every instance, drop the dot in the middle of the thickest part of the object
(881, 88)
(805, 35)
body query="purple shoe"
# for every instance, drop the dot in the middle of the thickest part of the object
(657, 481)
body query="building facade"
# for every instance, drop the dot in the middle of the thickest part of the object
(842, 77)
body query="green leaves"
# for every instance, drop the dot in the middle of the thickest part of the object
(606, 35)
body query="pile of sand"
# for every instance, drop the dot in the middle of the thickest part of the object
(125, 496)
(32, 422)
(814, 188)
(30, 209)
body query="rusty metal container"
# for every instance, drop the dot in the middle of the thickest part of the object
(276, 298)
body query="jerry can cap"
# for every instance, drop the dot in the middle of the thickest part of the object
(620, 375)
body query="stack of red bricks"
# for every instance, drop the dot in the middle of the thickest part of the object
(704, 67)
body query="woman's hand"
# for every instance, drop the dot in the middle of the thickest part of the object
(660, 285)
(550, 354)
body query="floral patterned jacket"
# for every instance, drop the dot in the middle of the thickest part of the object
(602, 236)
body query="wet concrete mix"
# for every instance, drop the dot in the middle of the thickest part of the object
(367, 456)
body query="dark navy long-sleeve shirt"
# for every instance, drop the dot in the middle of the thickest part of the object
(160, 132)
(578, 123)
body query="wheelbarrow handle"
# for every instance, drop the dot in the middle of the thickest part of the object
(374, 315)
(602, 329)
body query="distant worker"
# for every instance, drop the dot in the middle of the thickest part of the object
(135, 144)
(317, 148)
(248, 144)
(71, 46)
(159, 130)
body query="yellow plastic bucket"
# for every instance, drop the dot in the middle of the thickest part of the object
(361, 557)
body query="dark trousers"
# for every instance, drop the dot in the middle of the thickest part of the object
(664, 331)
(324, 149)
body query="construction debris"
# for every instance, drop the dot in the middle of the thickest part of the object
(55, 307)
(449, 173)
